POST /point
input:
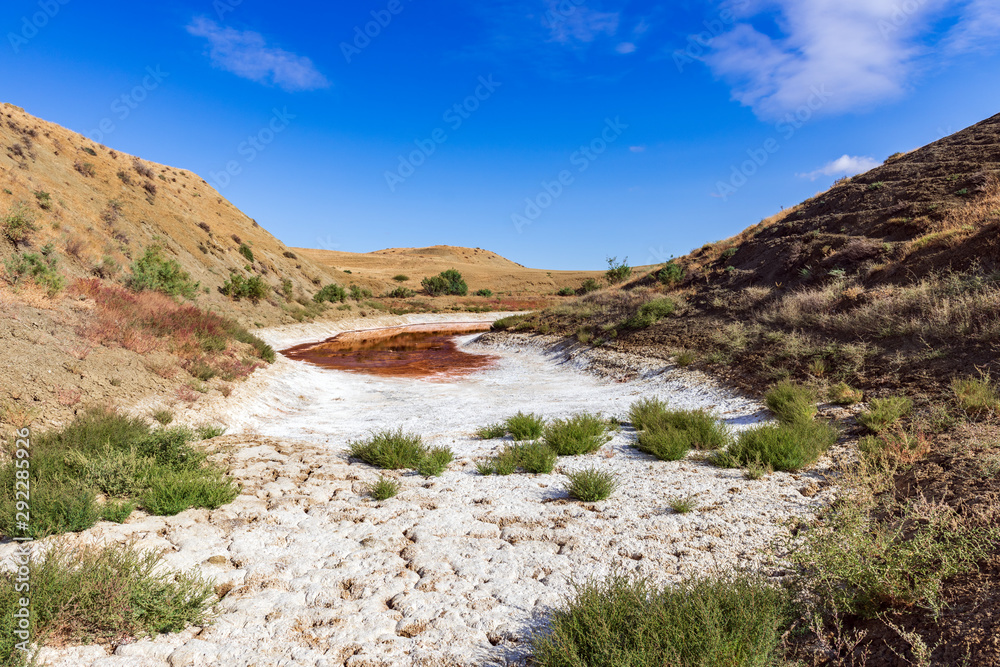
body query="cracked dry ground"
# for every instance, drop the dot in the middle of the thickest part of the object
(455, 570)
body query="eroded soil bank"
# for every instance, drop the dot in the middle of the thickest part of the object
(455, 570)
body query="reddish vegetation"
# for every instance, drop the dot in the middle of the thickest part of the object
(424, 351)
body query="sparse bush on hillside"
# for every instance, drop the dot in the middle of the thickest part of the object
(401, 293)
(589, 285)
(155, 273)
(566, 291)
(44, 200)
(40, 269)
(125, 177)
(239, 287)
(85, 168)
(650, 313)
(401, 278)
(618, 272)
(485, 292)
(359, 293)
(245, 250)
(19, 223)
(670, 274)
(332, 293)
(447, 282)
(287, 289)
(142, 169)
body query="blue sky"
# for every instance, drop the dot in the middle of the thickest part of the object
(556, 133)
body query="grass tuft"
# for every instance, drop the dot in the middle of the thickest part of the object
(683, 504)
(383, 489)
(785, 447)
(791, 403)
(844, 394)
(491, 431)
(525, 426)
(591, 485)
(535, 458)
(395, 450)
(883, 413)
(977, 397)
(580, 434)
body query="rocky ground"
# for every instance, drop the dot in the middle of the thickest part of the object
(455, 570)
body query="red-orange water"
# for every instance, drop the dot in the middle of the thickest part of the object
(419, 351)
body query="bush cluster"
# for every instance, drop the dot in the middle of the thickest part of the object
(332, 293)
(447, 282)
(239, 287)
(153, 272)
(396, 450)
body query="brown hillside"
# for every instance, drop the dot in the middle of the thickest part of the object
(482, 269)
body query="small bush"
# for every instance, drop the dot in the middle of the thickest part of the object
(40, 269)
(401, 293)
(650, 313)
(589, 285)
(885, 412)
(101, 595)
(154, 273)
(332, 293)
(435, 462)
(19, 223)
(85, 168)
(287, 289)
(447, 282)
(515, 322)
(645, 412)
(579, 434)
(533, 457)
(247, 253)
(977, 397)
(485, 293)
(682, 504)
(566, 291)
(591, 485)
(700, 429)
(401, 278)
(44, 200)
(617, 272)
(163, 417)
(390, 450)
(844, 394)
(238, 287)
(383, 489)
(791, 403)
(491, 431)
(179, 490)
(785, 447)
(665, 444)
(525, 426)
(209, 431)
(670, 274)
(359, 293)
(625, 621)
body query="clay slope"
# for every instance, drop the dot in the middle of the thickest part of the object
(93, 203)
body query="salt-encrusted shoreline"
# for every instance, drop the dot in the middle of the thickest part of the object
(456, 570)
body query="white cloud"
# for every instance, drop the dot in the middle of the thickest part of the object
(247, 54)
(578, 24)
(860, 51)
(846, 165)
(625, 48)
(979, 27)
(637, 149)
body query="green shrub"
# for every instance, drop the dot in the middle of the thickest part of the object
(101, 595)
(785, 447)
(163, 417)
(683, 504)
(485, 292)
(885, 412)
(665, 444)
(40, 269)
(525, 426)
(435, 462)
(44, 200)
(209, 431)
(117, 512)
(533, 457)
(617, 271)
(589, 285)
(246, 252)
(390, 450)
(359, 293)
(791, 403)
(511, 322)
(591, 485)
(333, 293)
(179, 490)
(645, 412)
(447, 282)
(238, 287)
(861, 560)
(154, 273)
(650, 313)
(670, 274)
(977, 397)
(401, 278)
(704, 622)
(579, 434)
(566, 291)
(19, 223)
(383, 489)
(491, 431)
(843, 394)
(401, 293)
(287, 289)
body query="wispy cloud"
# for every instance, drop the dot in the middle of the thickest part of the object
(247, 54)
(846, 165)
(573, 24)
(863, 51)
